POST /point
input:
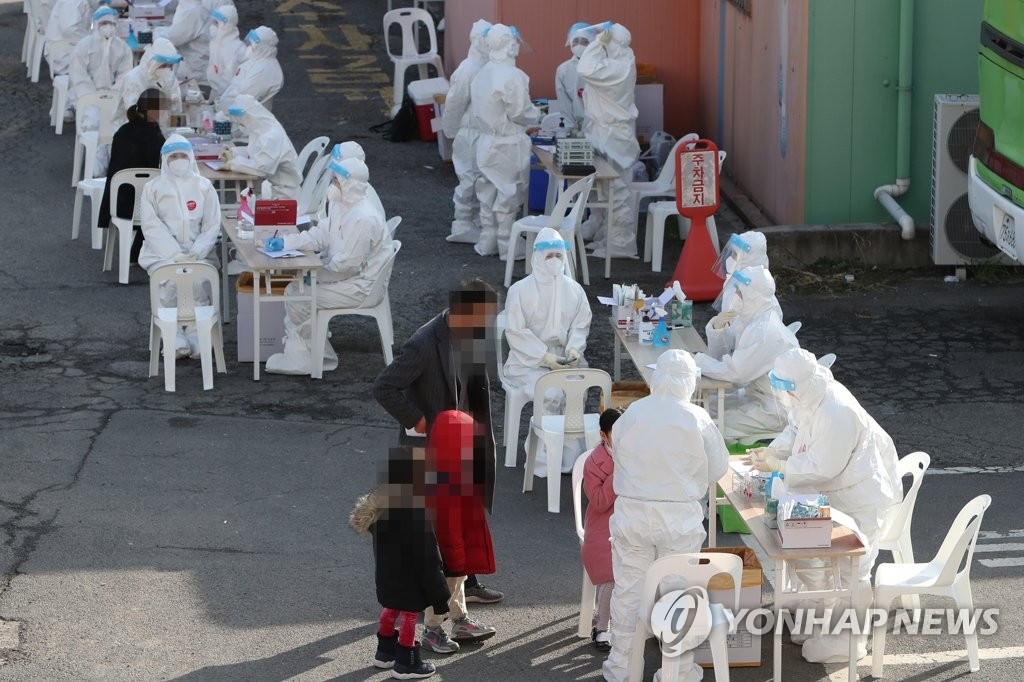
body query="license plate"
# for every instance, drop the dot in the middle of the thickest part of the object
(1007, 233)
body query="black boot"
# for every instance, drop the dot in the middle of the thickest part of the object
(385, 657)
(408, 665)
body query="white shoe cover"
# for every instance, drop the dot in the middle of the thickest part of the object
(832, 648)
(488, 247)
(695, 674)
(192, 336)
(463, 233)
(289, 363)
(181, 347)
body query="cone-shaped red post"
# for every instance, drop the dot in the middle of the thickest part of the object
(698, 280)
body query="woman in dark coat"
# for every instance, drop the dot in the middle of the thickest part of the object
(409, 571)
(136, 144)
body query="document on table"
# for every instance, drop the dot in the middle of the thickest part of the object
(215, 165)
(287, 253)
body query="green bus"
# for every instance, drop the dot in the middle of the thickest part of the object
(996, 184)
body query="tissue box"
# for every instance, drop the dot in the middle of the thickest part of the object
(271, 320)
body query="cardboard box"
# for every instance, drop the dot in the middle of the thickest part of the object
(444, 143)
(625, 393)
(276, 212)
(271, 320)
(805, 533)
(152, 12)
(744, 646)
(422, 93)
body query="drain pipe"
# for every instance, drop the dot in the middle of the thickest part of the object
(886, 194)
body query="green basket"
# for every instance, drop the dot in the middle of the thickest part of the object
(730, 519)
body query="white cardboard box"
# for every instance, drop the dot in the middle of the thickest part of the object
(650, 103)
(744, 646)
(444, 143)
(805, 533)
(271, 323)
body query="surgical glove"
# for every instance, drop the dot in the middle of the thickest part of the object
(768, 464)
(550, 361)
(604, 37)
(572, 357)
(228, 153)
(181, 257)
(226, 166)
(723, 319)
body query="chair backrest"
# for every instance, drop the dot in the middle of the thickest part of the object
(393, 223)
(577, 491)
(696, 570)
(314, 186)
(827, 360)
(795, 326)
(408, 19)
(575, 382)
(313, 150)
(667, 177)
(567, 213)
(184, 276)
(658, 150)
(107, 101)
(900, 515)
(380, 286)
(137, 178)
(957, 549)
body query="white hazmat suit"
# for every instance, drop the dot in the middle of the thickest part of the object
(547, 322)
(667, 452)
(743, 342)
(189, 34)
(99, 62)
(500, 108)
(607, 69)
(568, 88)
(180, 215)
(457, 124)
(68, 23)
(353, 150)
(270, 153)
(155, 70)
(831, 445)
(226, 50)
(259, 74)
(354, 246)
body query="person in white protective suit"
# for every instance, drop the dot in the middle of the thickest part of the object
(667, 452)
(353, 150)
(568, 88)
(607, 69)
(154, 70)
(270, 153)
(500, 108)
(259, 74)
(457, 124)
(547, 322)
(189, 34)
(99, 62)
(831, 445)
(743, 342)
(181, 222)
(746, 250)
(226, 50)
(67, 24)
(354, 245)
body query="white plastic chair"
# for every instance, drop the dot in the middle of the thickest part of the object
(167, 321)
(313, 191)
(696, 570)
(59, 102)
(376, 305)
(88, 142)
(554, 428)
(34, 55)
(516, 397)
(409, 21)
(895, 532)
(654, 231)
(588, 593)
(942, 576)
(313, 150)
(565, 217)
(125, 227)
(795, 326)
(658, 150)
(665, 184)
(392, 225)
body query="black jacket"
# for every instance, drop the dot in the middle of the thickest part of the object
(422, 382)
(409, 571)
(136, 144)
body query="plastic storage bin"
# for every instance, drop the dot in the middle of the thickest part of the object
(422, 95)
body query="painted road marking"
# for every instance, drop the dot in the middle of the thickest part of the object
(1002, 563)
(838, 671)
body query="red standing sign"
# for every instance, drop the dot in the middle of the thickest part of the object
(697, 198)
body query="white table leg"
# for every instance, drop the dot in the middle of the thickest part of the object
(851, 673)
(780, 580)
(712, 514)
(256, 325)
(225, 298)
(617, 354)
(312, 317)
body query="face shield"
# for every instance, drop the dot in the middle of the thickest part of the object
(551, 257)
(783, 390)
(741, 251)
(731, 297)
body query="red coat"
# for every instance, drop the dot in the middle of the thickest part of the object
(455, 450)
(596, 551)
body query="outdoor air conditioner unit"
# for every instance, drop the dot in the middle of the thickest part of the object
(955, 239)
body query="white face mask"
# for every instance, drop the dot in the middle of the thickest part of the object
(107, 30)
(180, 168)
(165, 79)
(249, 53)
(334, 194)
(735, 303)
(554, 266)
(578, 49)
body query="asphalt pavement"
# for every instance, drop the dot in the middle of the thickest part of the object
(201, 535)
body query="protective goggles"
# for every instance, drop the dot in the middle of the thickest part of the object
(253, 37)
(236, 111)
(166, 59)
(741, 278)
(553, 244)
(217, 16)
(780, 384)
(171, 147)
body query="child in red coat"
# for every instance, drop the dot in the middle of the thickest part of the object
(455, 448)
(596, 551)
